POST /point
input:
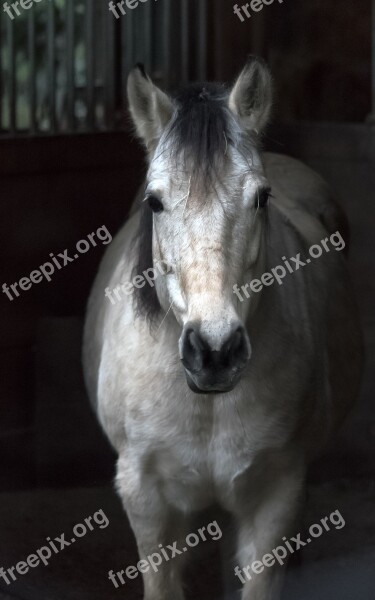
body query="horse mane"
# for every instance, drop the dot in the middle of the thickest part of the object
(199, 135)
(146, 301)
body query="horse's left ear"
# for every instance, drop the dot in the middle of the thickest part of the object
(251, 96)
(151, 109)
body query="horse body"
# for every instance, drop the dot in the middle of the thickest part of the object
(245, 448)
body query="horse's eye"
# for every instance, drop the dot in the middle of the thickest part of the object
(155, 204)
(262, 197)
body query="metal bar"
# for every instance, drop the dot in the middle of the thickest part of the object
(51, 68)
(184, 41)
(202, 41)
(128, 41)
(90, 64)
(373, 60)
(12, 86)
(32, 70)
(109, 24)
(69, 51)
(219, 48)
(125, 54)
(147, 34)
(117, 68)
(2, 71)
(167, 42)
(258, 42)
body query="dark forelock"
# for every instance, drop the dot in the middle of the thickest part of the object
(202, 130)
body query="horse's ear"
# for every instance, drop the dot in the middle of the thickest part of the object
(150, 108)
(251, 96)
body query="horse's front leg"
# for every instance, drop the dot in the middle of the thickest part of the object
(264, 518)
(156, 526)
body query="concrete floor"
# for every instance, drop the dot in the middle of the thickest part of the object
(338, 564)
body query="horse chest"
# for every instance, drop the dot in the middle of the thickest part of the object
(196, 461)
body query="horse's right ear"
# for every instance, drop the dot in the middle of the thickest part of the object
(251, 96)
(150, 108)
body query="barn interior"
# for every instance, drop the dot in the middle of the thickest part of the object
(70, 163)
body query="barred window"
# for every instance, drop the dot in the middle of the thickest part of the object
(64, 62)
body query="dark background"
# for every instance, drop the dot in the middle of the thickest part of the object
(56, 189)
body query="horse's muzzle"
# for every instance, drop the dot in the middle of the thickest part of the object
(214, 371)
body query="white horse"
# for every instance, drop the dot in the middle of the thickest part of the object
(205, 398)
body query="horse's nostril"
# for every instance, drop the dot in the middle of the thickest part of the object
(192, 351)
(197, 354)
(234, 342)
(235, 351)
(196, 341)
